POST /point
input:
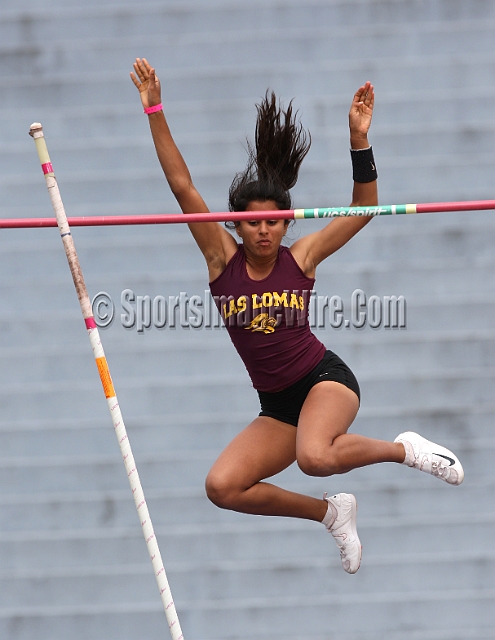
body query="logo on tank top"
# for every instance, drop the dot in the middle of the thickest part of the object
(263, 322)
(264, 312)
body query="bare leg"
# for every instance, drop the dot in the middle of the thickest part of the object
(261, 450)
(320, 444)
(324, 447)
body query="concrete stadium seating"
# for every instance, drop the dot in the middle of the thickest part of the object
(72, 558)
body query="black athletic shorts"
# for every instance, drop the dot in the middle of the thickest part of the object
(286, 405)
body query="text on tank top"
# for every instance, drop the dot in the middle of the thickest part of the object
(268, 320)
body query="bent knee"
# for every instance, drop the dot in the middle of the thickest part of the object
(317, 465)
(220, 491)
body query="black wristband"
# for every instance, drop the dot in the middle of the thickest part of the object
(363, 165)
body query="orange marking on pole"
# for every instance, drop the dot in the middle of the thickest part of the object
(105, 377)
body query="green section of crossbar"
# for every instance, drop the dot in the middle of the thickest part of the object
(338, 212)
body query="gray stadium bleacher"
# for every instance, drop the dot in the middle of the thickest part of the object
(73, 562)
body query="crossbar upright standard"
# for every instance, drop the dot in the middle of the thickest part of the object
(36, 131)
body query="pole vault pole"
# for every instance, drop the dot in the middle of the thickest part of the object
(228, 216)
(36, 131)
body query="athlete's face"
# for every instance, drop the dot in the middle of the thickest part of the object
(262, 237)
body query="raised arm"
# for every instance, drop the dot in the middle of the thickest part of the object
(314, 248)
(216, 244)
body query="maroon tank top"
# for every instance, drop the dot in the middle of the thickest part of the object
(267, 320)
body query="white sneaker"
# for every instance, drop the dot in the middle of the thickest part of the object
(343, 529)
(431, 458)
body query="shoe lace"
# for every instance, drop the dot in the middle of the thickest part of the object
(420, 461)
(438, 469)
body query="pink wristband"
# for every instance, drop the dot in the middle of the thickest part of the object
(157, 107)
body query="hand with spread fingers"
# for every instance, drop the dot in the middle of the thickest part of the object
(146, 82)
(361, 112)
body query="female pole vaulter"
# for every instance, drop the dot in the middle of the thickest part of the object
(308, 395)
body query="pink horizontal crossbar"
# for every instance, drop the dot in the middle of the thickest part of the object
(167, 218)
(469, 205)
(93, 221)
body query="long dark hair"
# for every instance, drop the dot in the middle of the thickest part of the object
(280, 146)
